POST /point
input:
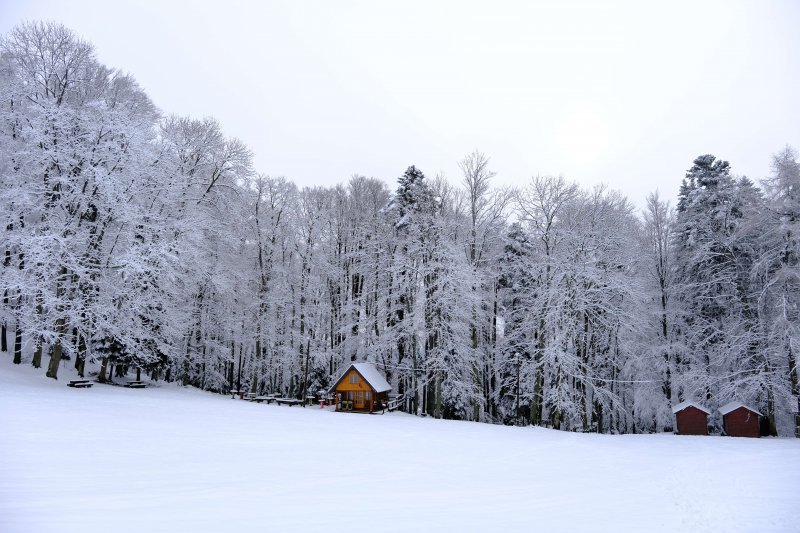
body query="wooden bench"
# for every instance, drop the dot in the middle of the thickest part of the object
(80, 383)
(259, 399)
(136, 384)
(288, 401)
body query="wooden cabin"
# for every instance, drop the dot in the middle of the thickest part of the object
(691, 418)
(738, 420)
(361, 387)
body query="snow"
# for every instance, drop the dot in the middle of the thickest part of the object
(683, 405)
(168, 458)
(732, 406)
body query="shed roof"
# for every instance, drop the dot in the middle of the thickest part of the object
(683, 405)
(728, 407)
(371, 375)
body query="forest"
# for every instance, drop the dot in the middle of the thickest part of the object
(138, 241)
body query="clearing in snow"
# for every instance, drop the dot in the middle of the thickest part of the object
(166, 458)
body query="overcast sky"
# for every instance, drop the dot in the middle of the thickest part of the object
(622, 93)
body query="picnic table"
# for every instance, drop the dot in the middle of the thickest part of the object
(288, 401)
(80, 383)
(136, 384)
(266, 398)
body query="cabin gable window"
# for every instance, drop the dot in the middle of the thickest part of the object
(354, 378)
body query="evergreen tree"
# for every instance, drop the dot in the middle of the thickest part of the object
(714, 255)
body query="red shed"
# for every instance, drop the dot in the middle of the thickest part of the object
(738, 420)
(691, 418)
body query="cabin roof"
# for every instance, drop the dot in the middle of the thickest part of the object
(371, 375)
(688, 403)
(728, 407)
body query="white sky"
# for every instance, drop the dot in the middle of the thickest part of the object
(623, 93)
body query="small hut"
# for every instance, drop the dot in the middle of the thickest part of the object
(738, 420)
(361, 387)
(691, 418)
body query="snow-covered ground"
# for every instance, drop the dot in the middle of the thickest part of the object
(171, 459)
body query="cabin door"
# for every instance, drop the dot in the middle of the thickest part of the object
(359, 402)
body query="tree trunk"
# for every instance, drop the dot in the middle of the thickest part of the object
(232, 364)
(256, 364)
(55, 355)
(80, 358)
(538, 387)
(239, 373)
(667, 362)
(185, 365)
(305, 372)
(103, 366)
(18, 344)
(3, 339)
(438, 395)
(37, 354)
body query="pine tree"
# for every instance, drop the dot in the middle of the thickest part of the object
(714, 254)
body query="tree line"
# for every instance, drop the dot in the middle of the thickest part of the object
(137, 241)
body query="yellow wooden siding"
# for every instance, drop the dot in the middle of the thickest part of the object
(345, 384)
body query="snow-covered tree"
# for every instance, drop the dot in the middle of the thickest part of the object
(137, 242)
(716, 243)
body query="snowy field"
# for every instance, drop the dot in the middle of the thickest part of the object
(171, 459)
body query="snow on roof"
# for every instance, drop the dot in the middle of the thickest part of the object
(683, 405)
(370, 373)
(728, 407)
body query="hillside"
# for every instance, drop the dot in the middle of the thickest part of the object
(174, 459)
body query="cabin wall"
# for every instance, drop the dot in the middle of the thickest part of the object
(344, 389)
(691, 421)
(345, 385)
(741, 423)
